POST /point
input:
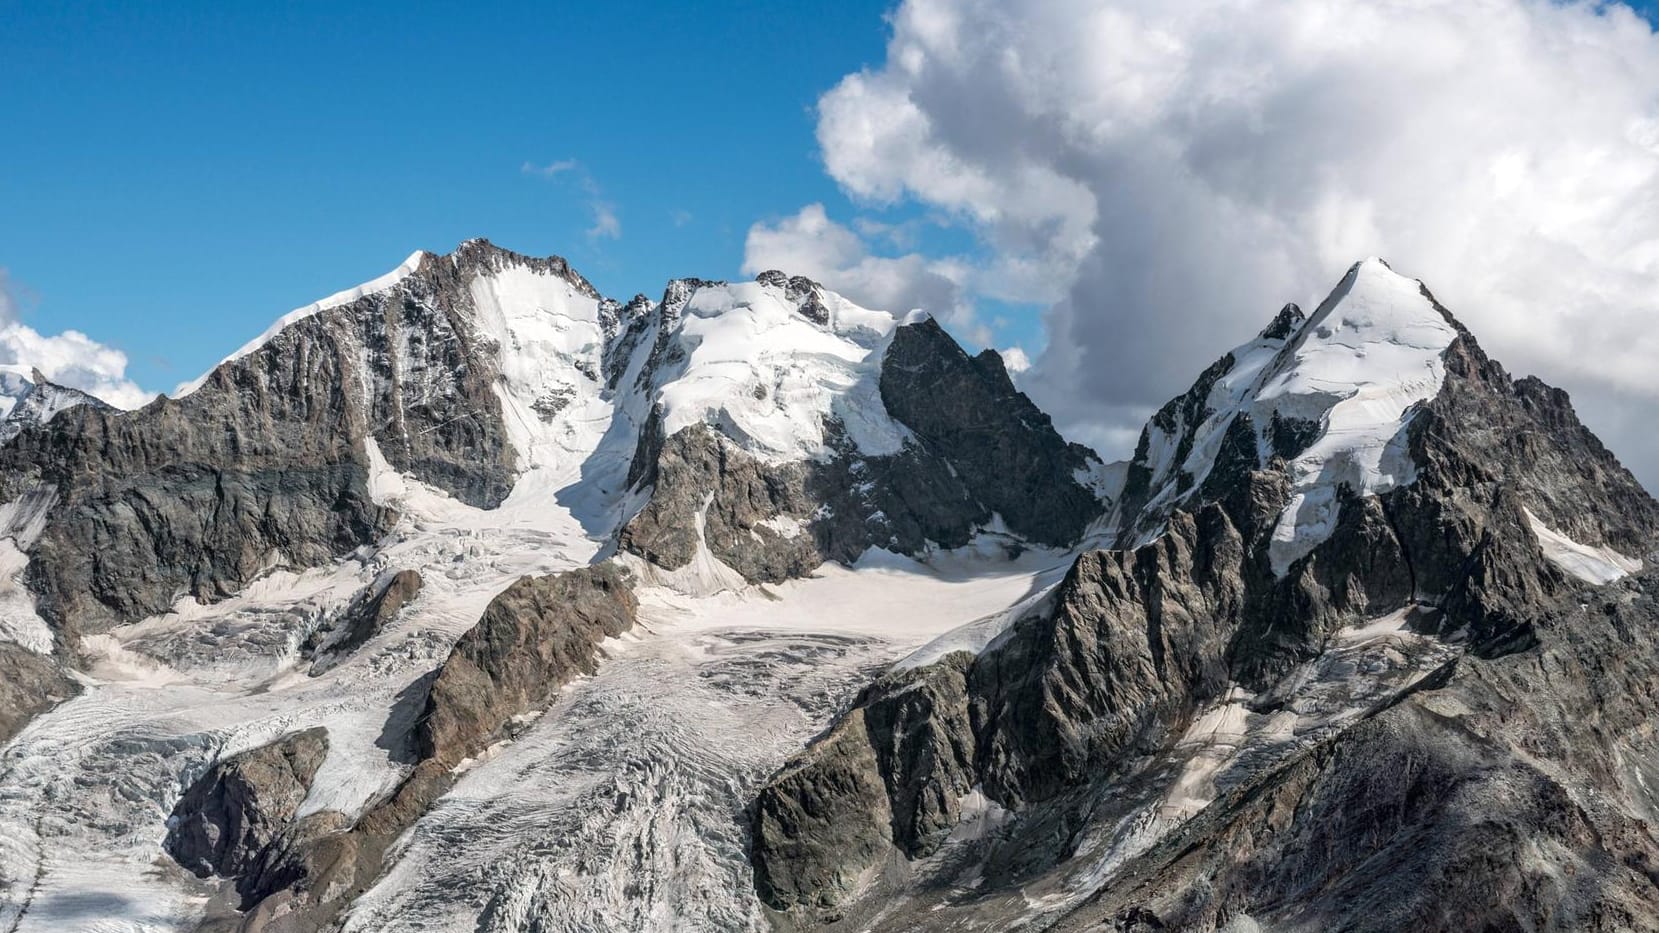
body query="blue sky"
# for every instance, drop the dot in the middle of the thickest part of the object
(174, 176)
(177, 175)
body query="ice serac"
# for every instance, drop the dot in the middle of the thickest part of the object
(1461, 513)
(364, 617)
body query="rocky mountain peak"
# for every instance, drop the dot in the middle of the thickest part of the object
(1350, 520)
(480, 257)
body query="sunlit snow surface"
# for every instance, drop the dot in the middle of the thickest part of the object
(621, 808)
(1371, 352)
(769, 378)
(1596, 565)
(1355, 371)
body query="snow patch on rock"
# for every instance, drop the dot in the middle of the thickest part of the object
(1354, 373)
(1372, 352)
(1597, 565)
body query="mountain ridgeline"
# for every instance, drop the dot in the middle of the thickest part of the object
(1357, 639)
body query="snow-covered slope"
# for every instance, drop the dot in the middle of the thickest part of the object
(491, 416)
(27, 397)
(750, 362)
(1332, 394)
(584, 390)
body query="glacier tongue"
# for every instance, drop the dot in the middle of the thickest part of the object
(616, 809)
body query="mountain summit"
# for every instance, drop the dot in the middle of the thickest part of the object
(471, 598)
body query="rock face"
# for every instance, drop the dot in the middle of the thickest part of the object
(224, 822)
(267, 461)
(1479, 800)
(844, 429)
(30, 683)
(976, 452)
(535, 637)
(1080, 703)
(1005, 452)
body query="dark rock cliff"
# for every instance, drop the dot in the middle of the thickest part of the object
(538, 635)
(1136, 642)
(980, 449)
(266, 463)
(1509, 793)
(225, 820)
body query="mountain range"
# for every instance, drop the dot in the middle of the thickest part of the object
(473, 599)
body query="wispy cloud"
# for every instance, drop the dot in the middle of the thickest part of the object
(550, 169)
(606, 224)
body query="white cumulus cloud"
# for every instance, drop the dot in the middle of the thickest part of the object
(1168, 172)
(809, 243)
(71, 358)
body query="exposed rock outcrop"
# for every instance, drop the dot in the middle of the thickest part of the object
(1082, 695)
(1508, 793)
(536, 636)
(267, 461)
(362, 618)
(30, 684)
(226, 819)
(978, 451)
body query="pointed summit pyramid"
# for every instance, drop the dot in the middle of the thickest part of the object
(1338, 515)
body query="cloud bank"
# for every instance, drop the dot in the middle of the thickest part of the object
(70, 358)
(1168, 172)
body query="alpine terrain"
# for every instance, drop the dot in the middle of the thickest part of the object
(472, 599)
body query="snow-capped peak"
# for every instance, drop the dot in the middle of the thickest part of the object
(27, 397)
(1332, 394)
(770, 362)
(1373, 351)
